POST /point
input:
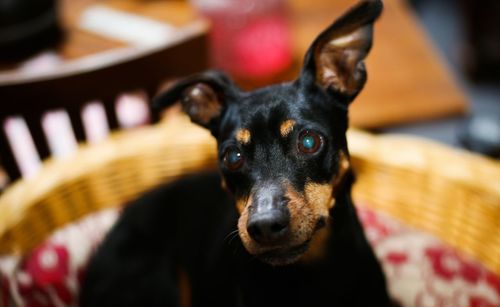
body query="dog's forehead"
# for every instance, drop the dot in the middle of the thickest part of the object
(267, 113)
(284, 96)
(263, 111)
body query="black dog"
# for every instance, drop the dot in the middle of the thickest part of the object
(287, 181)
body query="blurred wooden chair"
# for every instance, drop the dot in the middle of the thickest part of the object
(101, 77)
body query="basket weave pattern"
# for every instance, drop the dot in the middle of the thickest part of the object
(453, 195)
(100, 176)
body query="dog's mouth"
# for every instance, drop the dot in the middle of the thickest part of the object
(284, 255)
(290, 252)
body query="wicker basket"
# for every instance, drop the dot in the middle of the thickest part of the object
(453, 195)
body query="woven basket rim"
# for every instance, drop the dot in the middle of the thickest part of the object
(389, 168)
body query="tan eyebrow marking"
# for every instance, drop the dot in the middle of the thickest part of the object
(243, 136)
(287, 127)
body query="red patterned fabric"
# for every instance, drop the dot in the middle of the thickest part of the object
(421, 271)
(42, 278)
(50, 275)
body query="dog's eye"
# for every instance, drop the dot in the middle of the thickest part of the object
(309, 142)
(233, 158)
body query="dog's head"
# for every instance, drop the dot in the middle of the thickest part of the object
(282, 149)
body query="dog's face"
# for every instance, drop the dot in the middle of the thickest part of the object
(282, 149)
(281, 153)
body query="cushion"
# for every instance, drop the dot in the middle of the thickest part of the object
(51, 273)
(421, 270)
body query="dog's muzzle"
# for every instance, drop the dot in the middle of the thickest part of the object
(269, 217)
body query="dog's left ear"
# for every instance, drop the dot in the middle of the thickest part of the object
(203, 97)
(335, 59)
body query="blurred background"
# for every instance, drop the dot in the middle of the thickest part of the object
(72, 71)
(466, 35)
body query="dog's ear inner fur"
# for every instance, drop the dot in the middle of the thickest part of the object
(203, 97)
(201, 103)
(335, 59)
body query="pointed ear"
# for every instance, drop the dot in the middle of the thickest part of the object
(203, 97)
(335, 59)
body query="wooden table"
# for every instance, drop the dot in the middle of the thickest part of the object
(79, 43)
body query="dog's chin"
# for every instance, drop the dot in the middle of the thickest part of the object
(287, 254)
(283, 256)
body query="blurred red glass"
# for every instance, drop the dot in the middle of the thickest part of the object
(250, 39)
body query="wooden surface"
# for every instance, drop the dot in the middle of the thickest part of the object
(78, 43)
(81, 43)
(407, 79)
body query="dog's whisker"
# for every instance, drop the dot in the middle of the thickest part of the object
(231, 236)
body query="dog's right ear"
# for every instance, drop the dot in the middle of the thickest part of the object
(203, 97)
(335, 60)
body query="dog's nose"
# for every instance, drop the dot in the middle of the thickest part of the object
(270, 226)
